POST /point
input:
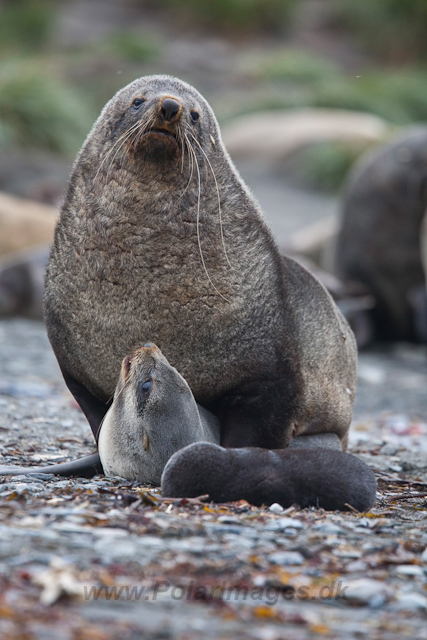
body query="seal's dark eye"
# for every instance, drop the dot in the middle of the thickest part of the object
(194, 116)
(143, 391)
(138, 102)
(146, 388)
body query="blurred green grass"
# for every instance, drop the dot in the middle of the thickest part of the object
(38, 110)
(25, 25)
(395, 30)
(301, 79)
(232, 16)
(133, 47)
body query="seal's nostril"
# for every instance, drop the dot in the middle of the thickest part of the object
(169, 108)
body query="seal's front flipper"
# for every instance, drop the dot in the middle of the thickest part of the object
(93, 408)
(317, 477)
(83, 467)
(324, 440)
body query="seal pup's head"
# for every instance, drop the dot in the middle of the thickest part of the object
(153, 414)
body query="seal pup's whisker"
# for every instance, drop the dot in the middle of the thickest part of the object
(198, 223)
(219, 199)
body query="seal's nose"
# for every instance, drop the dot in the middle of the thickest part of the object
(169, 108)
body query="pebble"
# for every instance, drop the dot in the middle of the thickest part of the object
(366, 591)
(284, 523)
(388, 449)
(281, 524)
(21, 389)
(327, 527)
(357, 566)
(286, 558)
(411, 600)
(409, 570)
(276, 508)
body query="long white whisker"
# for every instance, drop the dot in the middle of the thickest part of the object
(190, 156)
(198, 228)
(219, 198)
(118, 141)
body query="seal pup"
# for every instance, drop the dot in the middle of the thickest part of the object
(153, 415)
(318, 477)
(160, 239)
(155, 425)
(379, 242)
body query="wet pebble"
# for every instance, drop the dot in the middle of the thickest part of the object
(286, 558)
(276, 508)
(410, 601)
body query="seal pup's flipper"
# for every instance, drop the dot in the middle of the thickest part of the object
(318, 477)
(83, 467)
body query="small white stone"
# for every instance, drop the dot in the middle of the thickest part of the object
(327, 527)
(409, 570)
(367, 591)
(424, 555)
(411, 601)
(357, 566)
(276, 508)
(286, 558)
(285, 523)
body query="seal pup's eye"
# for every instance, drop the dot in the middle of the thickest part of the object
(194, 116)
(138, 102)
(143, 391)
(146, 388)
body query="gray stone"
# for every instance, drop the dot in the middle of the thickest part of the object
(286, 558)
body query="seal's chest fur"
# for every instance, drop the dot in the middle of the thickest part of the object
(123, 279)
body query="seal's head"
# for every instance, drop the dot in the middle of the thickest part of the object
(153, 415)
(156, 120)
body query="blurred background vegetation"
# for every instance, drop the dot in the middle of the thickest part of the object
(61, 60)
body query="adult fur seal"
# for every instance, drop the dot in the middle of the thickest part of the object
(160, 239)
(139, 254)
(379, 243)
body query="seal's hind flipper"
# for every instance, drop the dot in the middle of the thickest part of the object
(318, 477)
(83, 467)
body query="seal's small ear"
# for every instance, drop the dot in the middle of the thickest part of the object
(126, 364)
(212, 139)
